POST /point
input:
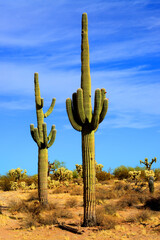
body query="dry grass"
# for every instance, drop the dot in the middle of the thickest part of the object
(78, 190)
(71, 203)
(143, 216)
(130, 200)
(105, 221)
(110, 209)
(103, 194)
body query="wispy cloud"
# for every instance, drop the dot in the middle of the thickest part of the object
(33, 39)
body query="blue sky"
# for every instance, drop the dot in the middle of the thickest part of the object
(45, 37)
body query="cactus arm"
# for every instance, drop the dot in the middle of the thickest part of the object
(53, 136)
(74, 124)
(75, 109)
(103, 95)
(97, 109)
(85, 69)
(32, 132)
(36, 135)
(49, 111)
(45, 134)
(104, 110)
(50, 134)
(80, 106)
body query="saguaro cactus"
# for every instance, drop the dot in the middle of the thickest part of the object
(148, 164)
(82, 119)
(39, 135)
(149, 173)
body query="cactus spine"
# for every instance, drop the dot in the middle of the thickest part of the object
(82, 119)
(39, 135)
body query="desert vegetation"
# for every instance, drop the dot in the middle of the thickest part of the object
(119, 202)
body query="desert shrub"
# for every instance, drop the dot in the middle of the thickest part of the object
(129, 200)
(105, 221)
(31, 179)
(143, 216)
(19, 206)
(103, 176)
(77, 181)
(122, 172)
(46, 219)
(5, 183)
(71, 203)
(33, 196)
(77, 190)
(61, 189)
(157, 174)
(63, 213)
(103, 194)
(75, 174)
(110, 209)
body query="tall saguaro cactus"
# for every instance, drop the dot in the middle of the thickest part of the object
(39, 135)
(82, 119)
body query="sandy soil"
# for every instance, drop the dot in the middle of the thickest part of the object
(13, 224)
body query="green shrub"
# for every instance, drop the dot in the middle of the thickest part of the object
(75, 174)
(122, 172)
(103, 176)
(157, 174)
(5, 183)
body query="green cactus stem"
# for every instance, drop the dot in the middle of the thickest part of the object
(39, 135)
(151, 184)
(82, 119)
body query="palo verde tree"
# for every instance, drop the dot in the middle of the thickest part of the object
(43, 141)
(82, 119)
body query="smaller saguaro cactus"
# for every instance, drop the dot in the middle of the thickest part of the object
(148, 164)
(149, 173)
(43, 141)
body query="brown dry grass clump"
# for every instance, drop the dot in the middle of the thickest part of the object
(142, 216)
(130, 200)
(105, 221)
(71, 203)
(36, 215)
(104, 193)
(78, 190)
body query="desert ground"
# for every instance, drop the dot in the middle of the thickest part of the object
(124, 211)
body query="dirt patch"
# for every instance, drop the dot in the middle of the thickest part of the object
(132, 221)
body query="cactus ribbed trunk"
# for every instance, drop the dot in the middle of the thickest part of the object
(42, 175)
(82, 119)
(43, 141)
(88, 154)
